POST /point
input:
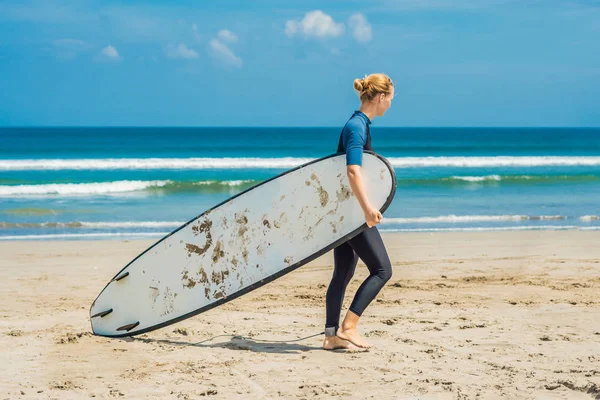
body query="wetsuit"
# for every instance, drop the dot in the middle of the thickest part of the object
(367, 245)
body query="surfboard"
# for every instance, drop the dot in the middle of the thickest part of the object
(241, 244)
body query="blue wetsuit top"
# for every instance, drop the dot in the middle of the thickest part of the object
(355, 138)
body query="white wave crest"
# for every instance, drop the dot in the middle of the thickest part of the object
(499, 161)
(150, 163)
(476, 178)
(588, 218)
(506, 228)
(120, 235)
(469, 218)
(93, 225)
(285, 162)
(100, 188)
(94, 188)
(226, 183)
(133, 224)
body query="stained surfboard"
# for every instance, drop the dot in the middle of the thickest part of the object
(241, 244)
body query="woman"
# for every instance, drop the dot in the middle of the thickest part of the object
(376, 93)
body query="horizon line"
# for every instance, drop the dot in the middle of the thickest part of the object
(295, 127)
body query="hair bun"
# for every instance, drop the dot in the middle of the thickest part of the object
(359, 84)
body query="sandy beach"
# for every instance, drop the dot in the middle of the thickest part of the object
(512, 314)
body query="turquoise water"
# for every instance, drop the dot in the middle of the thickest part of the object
(78, 183)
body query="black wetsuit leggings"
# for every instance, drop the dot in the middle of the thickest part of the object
(369, 246)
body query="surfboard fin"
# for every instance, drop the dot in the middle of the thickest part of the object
(101, 314)
(128, 327)
(118, 278)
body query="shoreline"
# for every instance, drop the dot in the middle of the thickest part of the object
(145, 236)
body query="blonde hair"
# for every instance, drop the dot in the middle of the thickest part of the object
(372, 85)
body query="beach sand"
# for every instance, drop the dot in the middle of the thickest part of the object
(509, 314)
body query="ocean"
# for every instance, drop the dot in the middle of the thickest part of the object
(130, 183)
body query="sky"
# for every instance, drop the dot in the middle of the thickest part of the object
(459, 63)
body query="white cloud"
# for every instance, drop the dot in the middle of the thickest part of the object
(361, 29)
(109, 52)
(224, 54)
(227, 36)
(315, 24)
(181, 51)
(291, 27)
(197, 36)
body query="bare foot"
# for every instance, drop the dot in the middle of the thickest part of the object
(353, 337)
(334, 342)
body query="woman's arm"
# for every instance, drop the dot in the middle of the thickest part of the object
(356, 183)
(354, 152)
(372, 215)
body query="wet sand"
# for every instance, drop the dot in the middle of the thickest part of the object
(513, 315)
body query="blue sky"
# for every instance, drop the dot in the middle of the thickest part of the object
(292, 63)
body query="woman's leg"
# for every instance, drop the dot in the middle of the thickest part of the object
(370, 248)
(344, 261)
(344, 265)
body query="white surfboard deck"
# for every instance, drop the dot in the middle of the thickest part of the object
(241, 244)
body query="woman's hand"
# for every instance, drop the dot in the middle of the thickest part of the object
(373, 216)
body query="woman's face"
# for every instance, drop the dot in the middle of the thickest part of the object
(385, 101)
